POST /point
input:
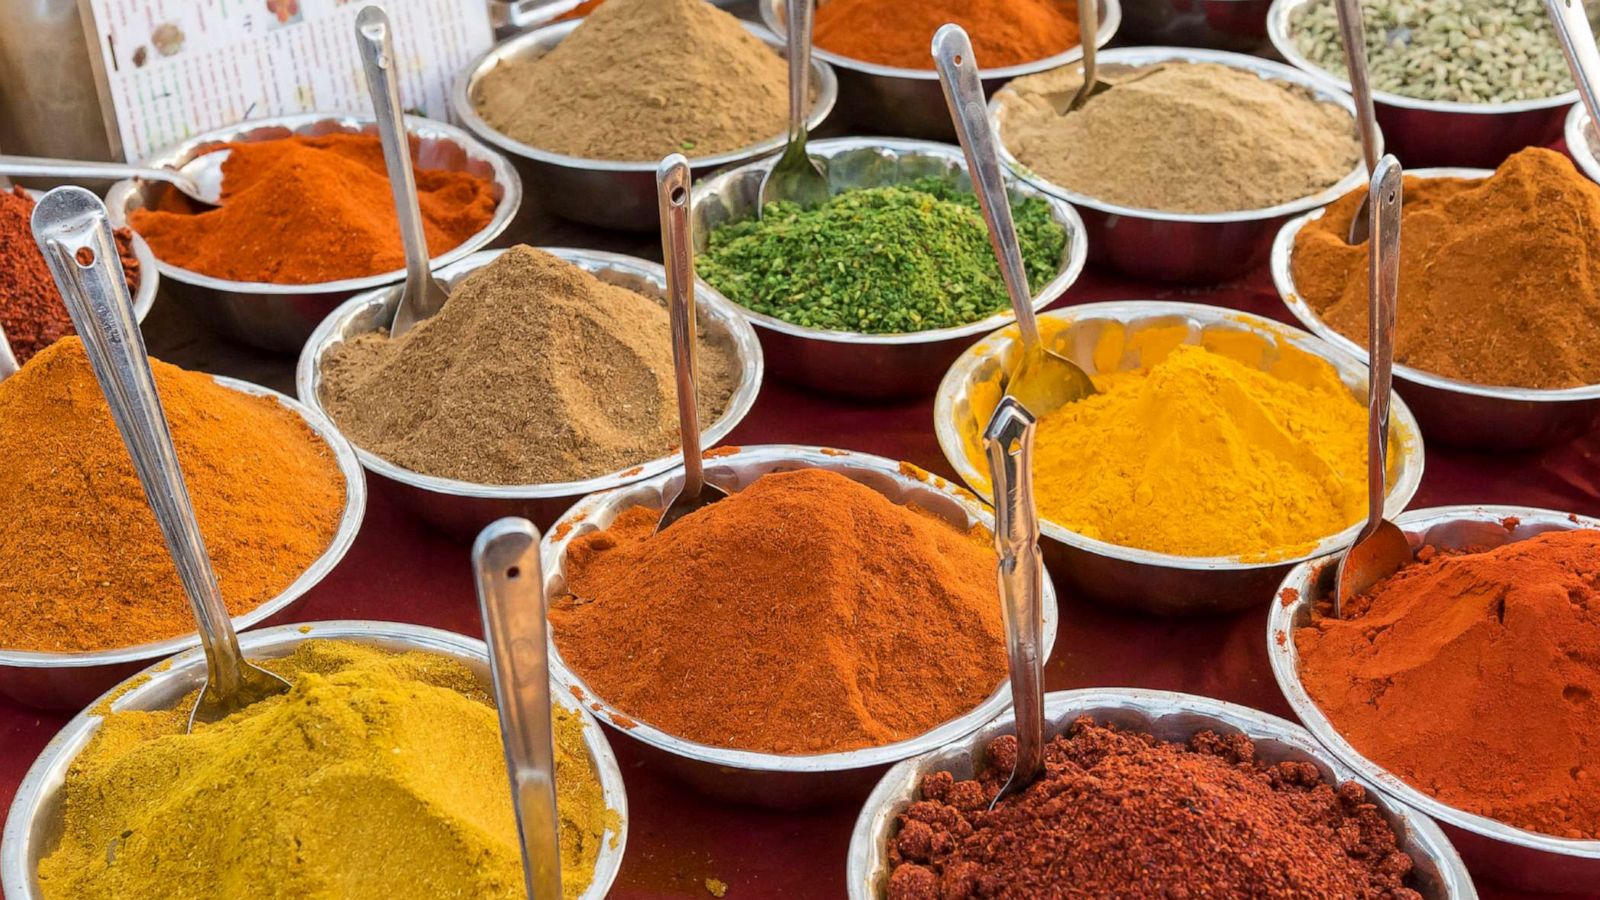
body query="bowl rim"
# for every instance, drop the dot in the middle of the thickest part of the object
(1278, 33)
(1110, 21)
(1285, 660)
(355, 505)
(1266, 69)
(1575, 129)
(18, 875)
(1064, 706)
(552, 551)
(1411, 454)
(144, 299)
(552, 33)
(747, 350)
(1280, 263)
(122, 194)
(1075, 253)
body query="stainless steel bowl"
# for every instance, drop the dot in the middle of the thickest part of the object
(872, 365)
(602, 192)
(33, 827)
(149, 276)
(1579, 145)
(1237, 25)
(1162, 583)
(770, 779)
(461, 508)
(279, 317)
(1496, 851)
(1437, 132)
(1186, 247)
(1453, 411)
(70, 680)
(1169, 716)
(909, 102)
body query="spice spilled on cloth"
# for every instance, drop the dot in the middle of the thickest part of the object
(1474, 678)
(534, 372)
(1499, 276)
(899, 258)
(639, 79)
(304, 210)
(31, 311)
(805, 614)
(1180, 137)
(83, 565)
(378, 775)
(1123, 814)
(895, 33)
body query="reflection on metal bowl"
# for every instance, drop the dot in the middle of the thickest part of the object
(1580, 142)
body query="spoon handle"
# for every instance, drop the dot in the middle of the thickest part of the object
(1089, 39)
(8, 360)
(963, 93)
(1571, 22)
(512, 600)
(672, 198)
(70, 221)
(1355, 58)
(799, 15)
(1009, 441)
(41, 167)
(1384, 195)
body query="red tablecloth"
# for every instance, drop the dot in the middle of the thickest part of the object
(401, 570)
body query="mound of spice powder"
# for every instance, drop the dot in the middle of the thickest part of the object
(31, 311)
(807, 613)
(1499, 276)
(533, 372)
(377, 775)
(1122, 814)
(893, 33)
(303, 210)
(1475, 677)
(83, 565)
(900, 258)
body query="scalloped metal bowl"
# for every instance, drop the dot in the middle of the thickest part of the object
(1199, 248)
(149, 274)
(872, 365)
(70, 680)
(1169, 716)
(461, 508)
(770, 779)
(33, 826)
(1437, 132)
(1452, 411)
(602, 192)
(1577, 130)
(1511, 856)
(279, 317)
(909, 102)
(1161, 583)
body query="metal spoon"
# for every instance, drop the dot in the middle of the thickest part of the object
(1044, 380)
(8, 360)
(423, 294)
(70, 221)
(1381, 549)
(512, 600)
(798, 177)
(1009, 441)
(199, 179)
(672, 197)
(1577, 42)
(1355, 60)
(1088, 36)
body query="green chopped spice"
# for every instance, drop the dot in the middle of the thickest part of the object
(905, 258)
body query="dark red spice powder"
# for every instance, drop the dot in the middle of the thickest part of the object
(30, 307)
(1122, 814)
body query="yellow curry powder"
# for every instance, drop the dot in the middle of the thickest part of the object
(1201, 452)
(379, 775)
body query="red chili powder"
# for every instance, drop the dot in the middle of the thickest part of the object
(1122, 814)
(30, 307)
(1475, 678)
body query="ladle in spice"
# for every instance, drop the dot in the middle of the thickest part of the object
(1381, 549)
(672, 197)
(1355, 59)
(423, 295)
(1009, 441)
(1571, 22)
(798, 177)
(1088, 32)
(199, 179)
(512, 600)
(1043, 379)
(71, 227)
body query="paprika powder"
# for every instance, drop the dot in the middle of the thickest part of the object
(895, 33)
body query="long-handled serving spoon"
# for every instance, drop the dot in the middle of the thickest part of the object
(199, 179)
(1088, 33)
(1571, 22)
(797, 177)
(1355, 60)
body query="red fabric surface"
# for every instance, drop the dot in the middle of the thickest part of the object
(401, 570)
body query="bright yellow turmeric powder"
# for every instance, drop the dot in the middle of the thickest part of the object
(1202, 454)
(379, 775)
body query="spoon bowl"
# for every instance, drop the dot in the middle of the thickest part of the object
(798, 177)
